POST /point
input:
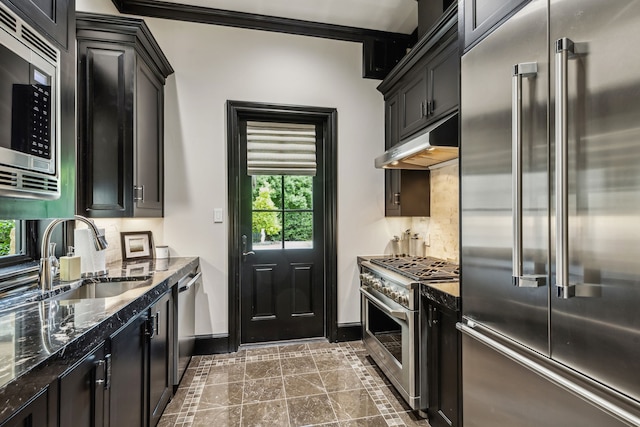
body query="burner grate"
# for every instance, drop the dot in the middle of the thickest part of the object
(420, 268)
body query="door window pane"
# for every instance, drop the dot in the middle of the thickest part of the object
(267, 230)
(267, 192)
(282, 212)
(298, 230)
(298, 192)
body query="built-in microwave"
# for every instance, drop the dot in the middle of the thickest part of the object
(29, 131)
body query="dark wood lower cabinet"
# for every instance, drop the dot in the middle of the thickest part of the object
(127, 381)
(443, 366)
(82, 392)
(127, 394)
(141, 367)
(34, 413)
(160, 357)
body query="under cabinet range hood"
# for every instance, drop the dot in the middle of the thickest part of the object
(435, 144)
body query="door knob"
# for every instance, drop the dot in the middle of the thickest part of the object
(244, 247)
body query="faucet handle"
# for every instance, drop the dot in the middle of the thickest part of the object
(52, 250)
(55, 264)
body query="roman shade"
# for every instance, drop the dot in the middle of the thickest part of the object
(281, 148)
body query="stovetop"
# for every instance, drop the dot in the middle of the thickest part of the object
(420, 268)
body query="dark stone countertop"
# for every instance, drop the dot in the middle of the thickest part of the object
(40, 340)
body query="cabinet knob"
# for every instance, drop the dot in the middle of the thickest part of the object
(396, 198)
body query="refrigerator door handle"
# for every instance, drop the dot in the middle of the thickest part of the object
(524, 69)
(564, 49)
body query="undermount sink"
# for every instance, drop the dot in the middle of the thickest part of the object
(101, 289)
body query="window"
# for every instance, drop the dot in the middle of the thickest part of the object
(10, 237)
(282, 216)
(14, 246)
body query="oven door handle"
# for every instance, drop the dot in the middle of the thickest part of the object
(398, 314)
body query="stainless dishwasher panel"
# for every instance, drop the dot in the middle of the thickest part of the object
(184, 340)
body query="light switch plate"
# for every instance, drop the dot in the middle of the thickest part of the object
(217, 215)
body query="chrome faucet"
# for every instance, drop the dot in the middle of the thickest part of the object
(46, 256)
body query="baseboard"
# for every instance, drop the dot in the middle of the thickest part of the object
(211, 344)
(349, 331)
(219, 344)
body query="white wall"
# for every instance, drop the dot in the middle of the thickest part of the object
(214, 64)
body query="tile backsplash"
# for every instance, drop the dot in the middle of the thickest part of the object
(444, 224)
(440, 231)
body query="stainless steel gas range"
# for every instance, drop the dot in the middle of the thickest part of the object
(391, 318)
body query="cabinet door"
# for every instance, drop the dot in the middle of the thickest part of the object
(105, 109)
(407, 193)
(149, 132)
(160, 357)
(480, 17)
(391, 138)
(392, 193)
(444, 77)
(50, 16)
(443, 369)
(391, 121)
(413, 98)
(81, 391)
(34, 413)
(127, 390)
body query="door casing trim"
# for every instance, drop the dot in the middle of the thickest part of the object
(237, 110)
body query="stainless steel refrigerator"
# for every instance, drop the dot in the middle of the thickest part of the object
(550, 218)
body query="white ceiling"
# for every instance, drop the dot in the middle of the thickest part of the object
(397, 16)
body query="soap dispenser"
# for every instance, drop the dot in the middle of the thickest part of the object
(70, 267)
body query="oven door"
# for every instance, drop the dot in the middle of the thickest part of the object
(390, 334)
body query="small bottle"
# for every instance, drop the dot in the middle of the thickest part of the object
(70, 266)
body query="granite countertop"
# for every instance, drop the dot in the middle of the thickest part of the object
(40, 340)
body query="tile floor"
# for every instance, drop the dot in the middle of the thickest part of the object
(302, 384)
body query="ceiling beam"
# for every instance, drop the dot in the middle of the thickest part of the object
(205, 15)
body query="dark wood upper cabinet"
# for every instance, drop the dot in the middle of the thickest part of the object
(50, 17)
(121, 76)
(430, 90)
(444, 77)
(479, 17)
(420, 90)
(413, 99)
(407, 193)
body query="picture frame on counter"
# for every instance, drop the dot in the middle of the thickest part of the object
(136, 245)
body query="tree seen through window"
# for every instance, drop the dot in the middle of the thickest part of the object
(282, 211)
